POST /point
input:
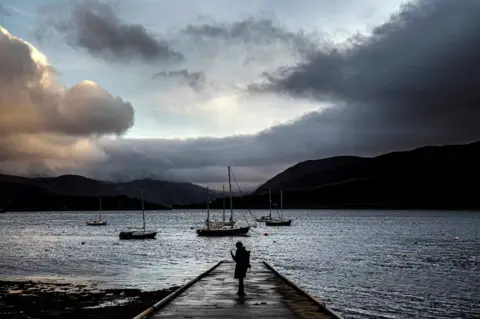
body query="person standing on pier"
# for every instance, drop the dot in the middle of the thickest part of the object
(242, 260)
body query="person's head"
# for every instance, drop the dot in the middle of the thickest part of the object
(239, 244)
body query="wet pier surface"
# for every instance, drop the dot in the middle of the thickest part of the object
(268, 296)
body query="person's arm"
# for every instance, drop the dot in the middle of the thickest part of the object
(233, 256)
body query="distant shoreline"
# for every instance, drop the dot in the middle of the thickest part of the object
(385, 208)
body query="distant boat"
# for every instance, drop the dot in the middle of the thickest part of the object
(218, 223)
(140, 233)
(269, 216)
(213, 230)
(281, 221)
(99, 221)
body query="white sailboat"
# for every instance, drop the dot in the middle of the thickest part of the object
(219, 223)
(281, 221)
(99, 221)
(269, 216)
(140, 233)
(212, 230)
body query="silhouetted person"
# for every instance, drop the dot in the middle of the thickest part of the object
(242, 260)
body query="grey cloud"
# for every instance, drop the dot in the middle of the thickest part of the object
(95, 27)
(196, 80)
(416, 79)
(251, 32)
(414, 82)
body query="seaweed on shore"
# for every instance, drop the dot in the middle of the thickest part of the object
(30, 299)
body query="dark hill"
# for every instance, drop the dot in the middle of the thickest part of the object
(436, 177)
(432, 162)
(25, 197)
(158, 192)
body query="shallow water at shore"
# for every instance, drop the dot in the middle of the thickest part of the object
(384, 264)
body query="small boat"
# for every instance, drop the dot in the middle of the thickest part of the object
(139, 233)
(217, 230)
(223, 231)
(269, 216)
(223, 222)
(280, 221)
(99, 221)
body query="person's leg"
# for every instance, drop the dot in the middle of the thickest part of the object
(241, 291)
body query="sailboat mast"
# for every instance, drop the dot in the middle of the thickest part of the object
(223, 198)
(281, 202)
(143, 211)
(208, 205)
(100, 212)
(230, 194)
(270, 202)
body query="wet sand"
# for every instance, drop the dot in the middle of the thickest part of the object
(28, 299)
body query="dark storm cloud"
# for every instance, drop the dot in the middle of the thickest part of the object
(196, 80)
(95, 27)
(415, 80)
(251, 31)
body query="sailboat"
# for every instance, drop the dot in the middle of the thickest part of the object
(99, 221)
(223, 230)
(222, 222)
(141, 233)
(269, 216)
(280, 221)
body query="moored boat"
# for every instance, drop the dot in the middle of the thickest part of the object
(281, 221)
(223, 231)
(139, 233)
(217, 229)
(99, 221)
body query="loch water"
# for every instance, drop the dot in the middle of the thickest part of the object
(363, 263)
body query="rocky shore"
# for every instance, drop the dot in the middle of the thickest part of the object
(28, 299)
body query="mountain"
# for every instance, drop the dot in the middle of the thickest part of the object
(25, 197)
(156, 192)
(427, 177)
(163, 192)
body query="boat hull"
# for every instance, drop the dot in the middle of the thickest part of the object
(97, 223)
(212, 232)
(278, 223)
(137, 235)
(263, 219)
(221, 223)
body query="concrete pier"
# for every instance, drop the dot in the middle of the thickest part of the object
(213, 295)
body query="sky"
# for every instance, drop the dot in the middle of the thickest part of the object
(118, 90)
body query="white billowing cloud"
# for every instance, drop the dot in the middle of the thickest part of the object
(45, 126)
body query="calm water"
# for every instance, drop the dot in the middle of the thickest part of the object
(365, 264)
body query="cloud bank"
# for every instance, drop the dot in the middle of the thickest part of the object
(43, 125)
(414, 81)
